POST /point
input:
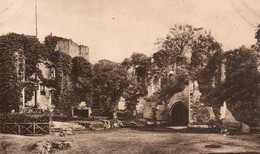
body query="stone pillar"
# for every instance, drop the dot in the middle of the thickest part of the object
(50, 98)
(223, 70)
(89, 111)
(190, 100)
(223, 111)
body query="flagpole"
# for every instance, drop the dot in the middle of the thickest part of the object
(36, 30)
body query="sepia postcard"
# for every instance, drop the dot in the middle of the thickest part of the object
(129, 76)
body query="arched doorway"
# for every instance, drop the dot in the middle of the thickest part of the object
(179, 114)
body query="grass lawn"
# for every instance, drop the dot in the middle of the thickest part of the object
(127, 140)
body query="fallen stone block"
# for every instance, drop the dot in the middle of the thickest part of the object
(46, 147)
(107, 124)
(96, 127)
(61, 145)
(245, 128)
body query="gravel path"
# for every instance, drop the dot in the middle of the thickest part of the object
(128, 140)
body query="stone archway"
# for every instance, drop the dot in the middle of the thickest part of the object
(179, 114)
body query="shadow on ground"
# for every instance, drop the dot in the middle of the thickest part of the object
(172, 129)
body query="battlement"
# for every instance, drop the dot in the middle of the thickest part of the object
(71, 48)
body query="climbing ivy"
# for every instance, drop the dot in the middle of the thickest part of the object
(110, 80)
(10, 85)
(206, 77)
(82, 79)
(15, 51)
(73, 82)
(63, 65)
(241, 88)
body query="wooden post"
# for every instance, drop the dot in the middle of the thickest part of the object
(72, 111)
(19, 129)
(33, 128)
(50, 122)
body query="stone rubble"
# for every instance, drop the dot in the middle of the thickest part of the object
(46, 147)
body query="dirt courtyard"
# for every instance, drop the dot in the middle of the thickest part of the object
(127, 140)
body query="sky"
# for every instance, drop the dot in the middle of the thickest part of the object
(114, 29)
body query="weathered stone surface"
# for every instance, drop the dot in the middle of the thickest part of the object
(68, 132)
(116, 125)
(61, 145)
(71, 48)
(107, 124)
(68, 126)
(245, 128)
(136, 124)
(161, 113)
(46, 147)
(151, 122)
(140, 106)
(98, 126)
(149, 110)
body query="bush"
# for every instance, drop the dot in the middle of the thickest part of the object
(23, 118)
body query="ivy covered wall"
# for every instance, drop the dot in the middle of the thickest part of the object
(19, 57)
(15, 51)
(73, 81)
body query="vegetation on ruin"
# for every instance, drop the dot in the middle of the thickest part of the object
(28, 49)
(11, 86)
(240, 89)
(136, 60)
(82, 79)
(135, 88)
(63, 66)
(23, 118)
(110, 80)
(189, 53)
(185, 46)
(186, 50)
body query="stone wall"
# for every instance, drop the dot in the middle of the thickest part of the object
(121, 104)
(44, 94)
(154, 85)
(182, 96)
(43, 99)
(198, 113)
(190, 97)
(140, 107)
(20, 69)
(71, 48)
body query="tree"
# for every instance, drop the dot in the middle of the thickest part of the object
(242, 86)
(136, 59)
(185, 46)
(110, 80)
(240, 89)
(257, 45)
(82, 78)
(186, 51)
(257, 34)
